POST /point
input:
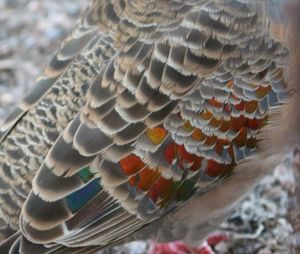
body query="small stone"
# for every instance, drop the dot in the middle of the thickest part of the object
(221, 248)
(265, 251)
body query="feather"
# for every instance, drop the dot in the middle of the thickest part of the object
(146, 108)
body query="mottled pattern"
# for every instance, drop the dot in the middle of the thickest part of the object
(44, 112)
(146, 104)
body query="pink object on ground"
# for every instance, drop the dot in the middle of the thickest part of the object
(180, 247)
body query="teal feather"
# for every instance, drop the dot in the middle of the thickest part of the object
(78, 199)
(85, 174)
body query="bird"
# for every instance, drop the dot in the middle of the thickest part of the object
(152, 121)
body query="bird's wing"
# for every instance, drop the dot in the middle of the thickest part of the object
(32, 127)
(70, 48)
(169, 115)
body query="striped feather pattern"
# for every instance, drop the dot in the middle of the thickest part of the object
(145, 105)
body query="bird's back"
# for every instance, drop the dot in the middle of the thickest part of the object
(146, 107)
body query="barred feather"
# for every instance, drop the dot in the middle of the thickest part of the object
(147, 108)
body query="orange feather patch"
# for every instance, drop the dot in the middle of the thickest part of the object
(157, 134)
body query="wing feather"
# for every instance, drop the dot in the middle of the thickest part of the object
(169, 114)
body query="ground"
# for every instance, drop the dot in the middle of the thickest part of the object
(31, 31)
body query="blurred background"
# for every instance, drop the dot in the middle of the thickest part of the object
(30, 32)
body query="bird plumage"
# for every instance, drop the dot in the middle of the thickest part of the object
(148, 122)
